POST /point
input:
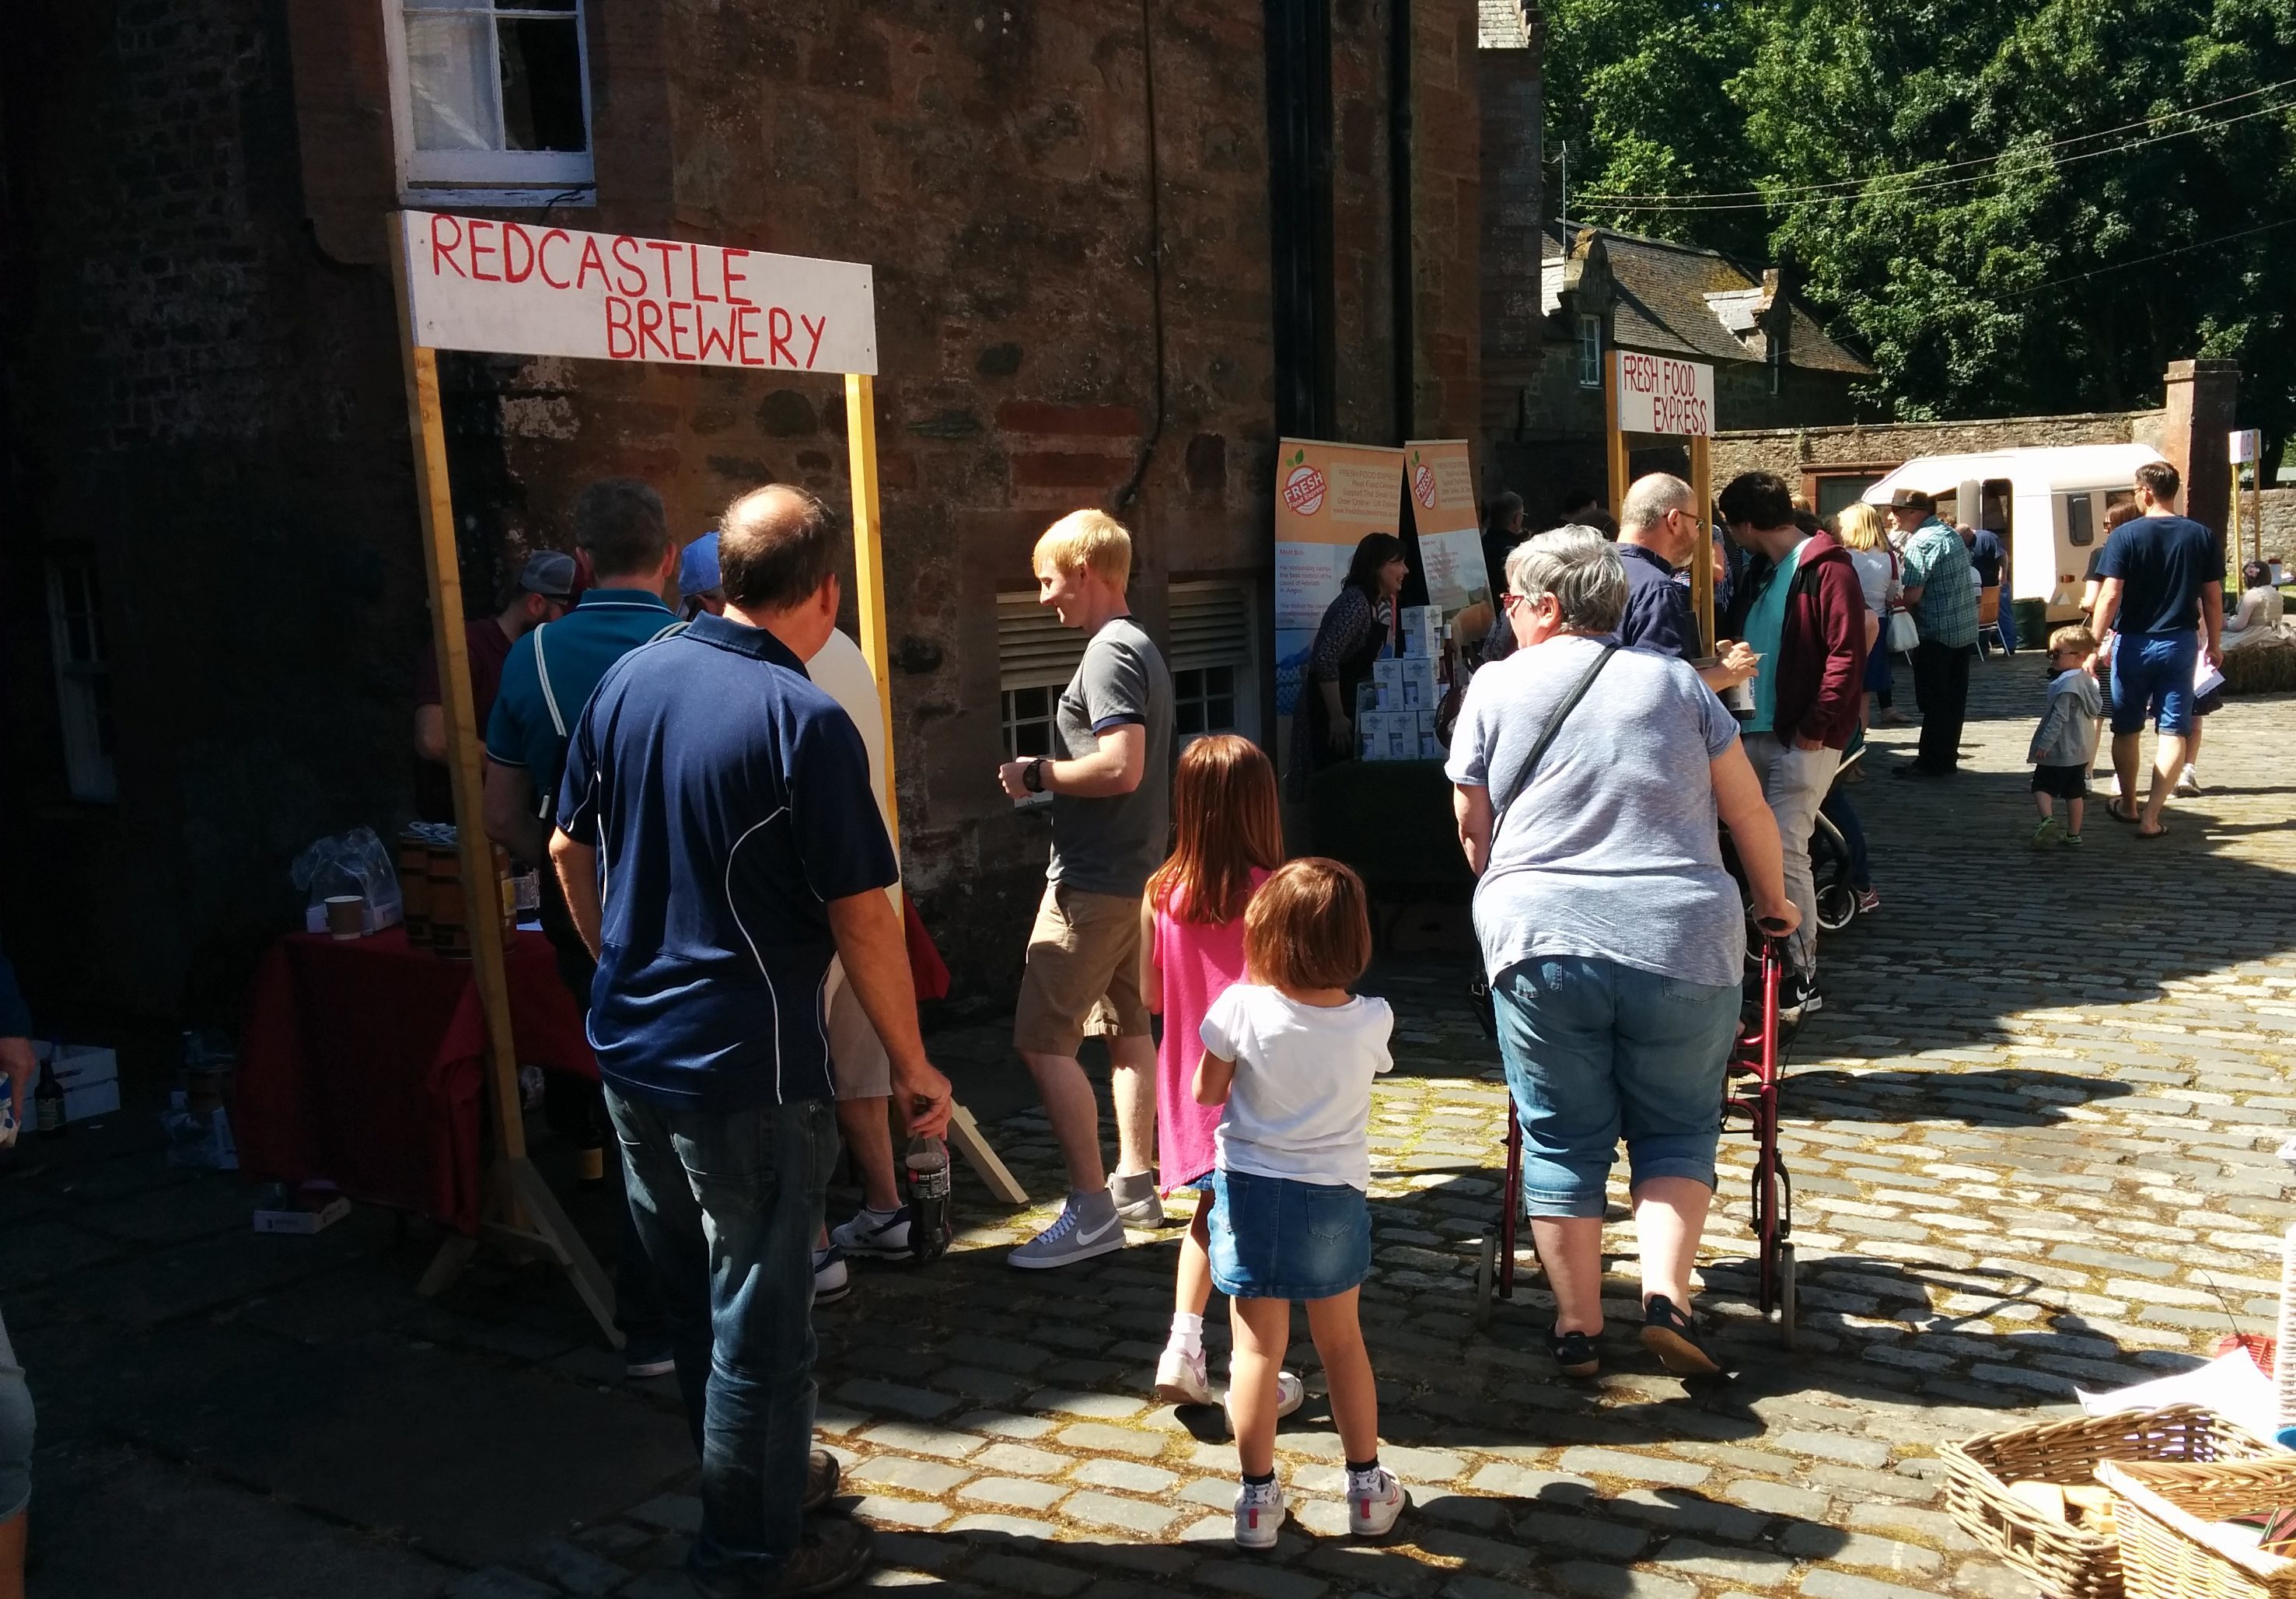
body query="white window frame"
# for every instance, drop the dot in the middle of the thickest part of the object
(1778, 360)
(1201, 639)
(1033, 651)
(495, 177)
(87, 766)
(1590, 351)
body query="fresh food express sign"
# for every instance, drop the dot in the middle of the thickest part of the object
(1659, 395)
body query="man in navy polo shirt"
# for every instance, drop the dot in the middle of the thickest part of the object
(1659, 534)
(718, 843)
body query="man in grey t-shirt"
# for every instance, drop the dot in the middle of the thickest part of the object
(1110, 779)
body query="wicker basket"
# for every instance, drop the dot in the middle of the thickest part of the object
(2168, 1548)
(2066, 1562)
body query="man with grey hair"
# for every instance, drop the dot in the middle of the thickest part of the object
(1659, 534)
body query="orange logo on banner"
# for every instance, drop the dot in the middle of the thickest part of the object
(1423, 485)
(1303, 487)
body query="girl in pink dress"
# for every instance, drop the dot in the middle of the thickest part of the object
(1227, 837)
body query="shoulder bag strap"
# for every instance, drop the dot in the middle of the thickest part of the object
(1546, 734)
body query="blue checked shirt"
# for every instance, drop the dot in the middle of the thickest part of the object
(1938, 563)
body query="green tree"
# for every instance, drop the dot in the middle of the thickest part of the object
(2010, 209)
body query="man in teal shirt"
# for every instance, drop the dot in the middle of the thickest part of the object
(1941, 588)
(628, 562)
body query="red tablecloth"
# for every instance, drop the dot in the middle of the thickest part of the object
(362, 1062)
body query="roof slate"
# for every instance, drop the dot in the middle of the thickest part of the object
(1688, 301)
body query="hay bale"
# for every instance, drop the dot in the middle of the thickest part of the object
(2261, 669)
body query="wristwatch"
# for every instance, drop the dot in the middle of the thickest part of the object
(1033, 778)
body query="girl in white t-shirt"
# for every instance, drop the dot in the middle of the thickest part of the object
(1292, 1054)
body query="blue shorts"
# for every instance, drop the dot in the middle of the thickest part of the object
(1597, 1051)
(16, 1434)
(1273, 1238)
(2153, 677)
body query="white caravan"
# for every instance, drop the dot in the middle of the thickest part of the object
(2045, 502)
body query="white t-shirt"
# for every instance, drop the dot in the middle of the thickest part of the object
(840, 670)
(1300, 1106)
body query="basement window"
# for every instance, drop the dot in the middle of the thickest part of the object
(490, 99)
(83, 677)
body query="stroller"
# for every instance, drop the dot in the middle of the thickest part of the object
(1749, 1089)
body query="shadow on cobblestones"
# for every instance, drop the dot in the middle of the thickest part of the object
(2008, 1096)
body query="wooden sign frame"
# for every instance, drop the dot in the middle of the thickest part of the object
(518, 1212)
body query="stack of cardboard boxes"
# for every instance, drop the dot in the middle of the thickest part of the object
(1396, 718)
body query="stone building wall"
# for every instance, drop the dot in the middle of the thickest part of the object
(1073, 306)
(1790, 451)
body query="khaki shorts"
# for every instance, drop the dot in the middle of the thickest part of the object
(857, 1060)
(1083, 974)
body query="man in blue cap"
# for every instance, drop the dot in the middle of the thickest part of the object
(699, 585)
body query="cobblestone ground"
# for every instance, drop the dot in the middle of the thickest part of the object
(2032, 1141)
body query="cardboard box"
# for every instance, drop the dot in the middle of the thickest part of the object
(1430, 747)
(312, 1207)
(1418, 684)
(87, 1073)
(1403, 740)
(1422, 630)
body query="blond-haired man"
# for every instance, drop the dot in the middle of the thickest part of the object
(1108, 774)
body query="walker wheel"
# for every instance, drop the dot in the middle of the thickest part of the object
(1789, 1301)
(1486, 1276)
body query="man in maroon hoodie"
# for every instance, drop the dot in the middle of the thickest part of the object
(1802, 612)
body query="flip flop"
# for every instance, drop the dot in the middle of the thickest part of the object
(2162, 833)
(2112, 810)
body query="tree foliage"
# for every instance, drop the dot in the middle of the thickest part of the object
(2010, 208)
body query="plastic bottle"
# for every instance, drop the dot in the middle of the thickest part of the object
(926, 1169)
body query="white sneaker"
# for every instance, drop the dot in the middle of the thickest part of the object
(1259, 1514)
(874, 1232)
(1180, 1378)
(1374, 1502)
(1088, 1226)
(831, 1280)
(1291, 1393)
(2188, 781)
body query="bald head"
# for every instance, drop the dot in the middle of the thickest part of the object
(1643, 520)
(776, 547)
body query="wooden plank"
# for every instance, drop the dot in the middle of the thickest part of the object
(481, 894)
(869, 567)
(965, 1134)
(554, 1232)
(1701, 564)
(446, 1265)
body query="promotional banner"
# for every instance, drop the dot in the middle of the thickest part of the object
(1450, 532)
(473, 283)
(1327, 497)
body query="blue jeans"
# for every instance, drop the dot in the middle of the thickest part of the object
(16, 1434)
(2152, 675)
(726, 1205)
(1839, 811)
(1595, 1051)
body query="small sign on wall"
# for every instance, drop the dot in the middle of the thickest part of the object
(475, 282)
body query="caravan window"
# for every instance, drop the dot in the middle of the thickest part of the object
(2080, 529)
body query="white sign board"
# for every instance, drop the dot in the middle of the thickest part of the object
(1658, 394)
(2246, 444)
(475, 283)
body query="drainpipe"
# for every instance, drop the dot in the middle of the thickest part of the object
(1399, 173)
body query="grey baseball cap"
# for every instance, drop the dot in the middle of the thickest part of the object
(549, 573)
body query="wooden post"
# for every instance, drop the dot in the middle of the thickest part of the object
(1615, 442)
(2258, 504)
(869, 607)
(1701, 564)
(869, 566)
(516, 1193)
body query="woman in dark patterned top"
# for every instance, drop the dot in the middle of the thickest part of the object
(1356, 626)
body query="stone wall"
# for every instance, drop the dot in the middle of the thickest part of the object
(2279, 525)
(1883, 444)
(1073, 308)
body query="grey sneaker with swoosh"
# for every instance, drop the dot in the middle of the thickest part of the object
(1088, 1226)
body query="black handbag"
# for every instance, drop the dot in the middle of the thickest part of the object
(1479, 987)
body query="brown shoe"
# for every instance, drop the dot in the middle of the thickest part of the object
(821, 1479)
(832, 1553)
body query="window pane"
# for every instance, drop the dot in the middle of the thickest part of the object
(1188, 717)
(450, 73)
(77, 646)
(1219, 714)
(1219, 680)
(542, 85)
(100, 688)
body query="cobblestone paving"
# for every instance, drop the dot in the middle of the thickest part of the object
(2032, 1141)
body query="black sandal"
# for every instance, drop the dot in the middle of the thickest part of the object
(1669, 1333)
(1575, 1353)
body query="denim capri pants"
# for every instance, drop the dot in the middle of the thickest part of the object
(1275, 1238)
(16, 1434)
(1597, 1051)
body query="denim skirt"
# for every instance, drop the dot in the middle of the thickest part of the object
(1274, 1238)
